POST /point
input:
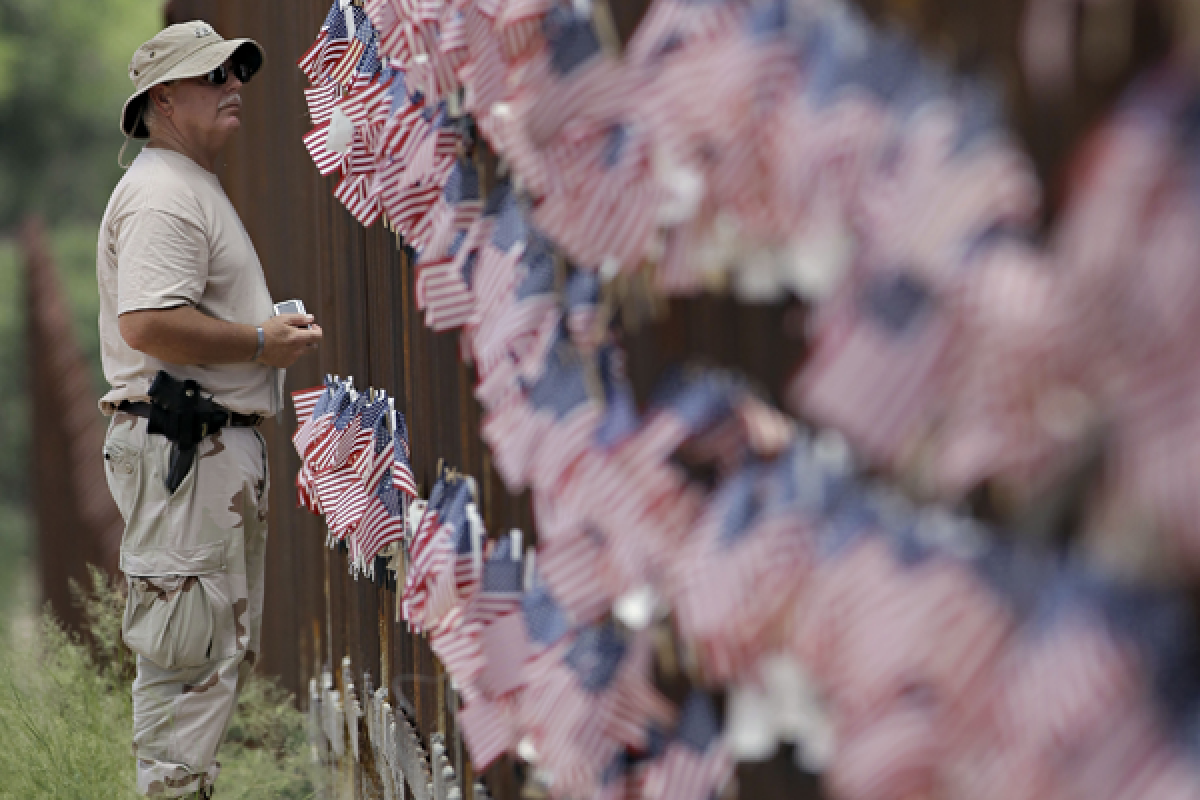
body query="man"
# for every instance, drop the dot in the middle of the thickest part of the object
(182, 291)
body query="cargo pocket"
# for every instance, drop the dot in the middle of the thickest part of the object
(174, 613)
(122, 467)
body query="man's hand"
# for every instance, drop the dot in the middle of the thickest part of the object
(286, 337)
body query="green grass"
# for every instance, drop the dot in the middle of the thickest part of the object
(66, 715)
(15, 556)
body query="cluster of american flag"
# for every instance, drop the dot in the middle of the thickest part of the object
(779, 147)
(356, 467)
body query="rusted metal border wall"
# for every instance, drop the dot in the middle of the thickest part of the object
(359, 285)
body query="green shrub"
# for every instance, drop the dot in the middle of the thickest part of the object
(66, 716)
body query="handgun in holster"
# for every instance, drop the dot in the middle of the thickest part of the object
(183, 413)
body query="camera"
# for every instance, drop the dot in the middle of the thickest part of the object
(290, 307)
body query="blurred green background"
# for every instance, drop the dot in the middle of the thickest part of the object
(63, 78)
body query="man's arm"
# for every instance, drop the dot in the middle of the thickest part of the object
(186, 336)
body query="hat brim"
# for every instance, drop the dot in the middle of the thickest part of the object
(198, 63)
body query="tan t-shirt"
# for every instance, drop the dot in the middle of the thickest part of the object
(171, 237)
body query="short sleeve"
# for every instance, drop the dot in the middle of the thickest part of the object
(162, 261)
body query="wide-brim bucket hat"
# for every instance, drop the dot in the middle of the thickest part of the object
(186, 50)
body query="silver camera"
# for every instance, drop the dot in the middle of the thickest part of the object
(290, 307)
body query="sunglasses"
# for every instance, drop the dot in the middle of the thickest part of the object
(220, 75)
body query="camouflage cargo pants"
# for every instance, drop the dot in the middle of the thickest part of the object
(194, 563)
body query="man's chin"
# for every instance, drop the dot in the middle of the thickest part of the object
(224, 131)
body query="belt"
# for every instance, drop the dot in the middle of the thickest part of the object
(236, 420)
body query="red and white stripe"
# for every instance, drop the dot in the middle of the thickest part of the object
(343, 73)
(326, 160)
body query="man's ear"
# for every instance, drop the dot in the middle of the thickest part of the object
(161, 97)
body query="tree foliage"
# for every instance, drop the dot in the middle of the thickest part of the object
(63, 79)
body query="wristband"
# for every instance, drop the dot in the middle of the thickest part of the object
(262, 340)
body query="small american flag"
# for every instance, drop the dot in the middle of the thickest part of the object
(311, 434)
(991, 429)
(423, 545)
(331, 37)
(369, 420)
(737, 577)
(686, 404)
(575, 77)
(608, 208)
(352, 192)
(444, 293)
(375, 464)
(405, 120)
(407, 206)
(382, 522)
(369, 64)
(471, 645)
(347, 436)
(696, 764)
(519, 26)
(344, 70)
(326, 160)
(1069, 678)
(489, 730)
(305, 401)
(596, 701)
(894, 755)
(534, 653)
(484, 74)
(367, 102)
(329, 487)
(875, 371)
(575, 567)
(453, 41)
(305, 496)
(469, 544)
(432, 552)
(501, 234)
(563, 391)
(515, 432)
(322, 100)
(402, 473)
(521, 325)
(323, 456)
(574, 704)
(389, 19)
(360, 161)
(503, 582)
(461, 203)
(344, 515)
(431, 591)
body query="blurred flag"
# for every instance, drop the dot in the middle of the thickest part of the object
(696, 764)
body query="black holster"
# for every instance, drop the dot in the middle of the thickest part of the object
(185, 414)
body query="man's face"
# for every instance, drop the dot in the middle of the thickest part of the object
(205, 113)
